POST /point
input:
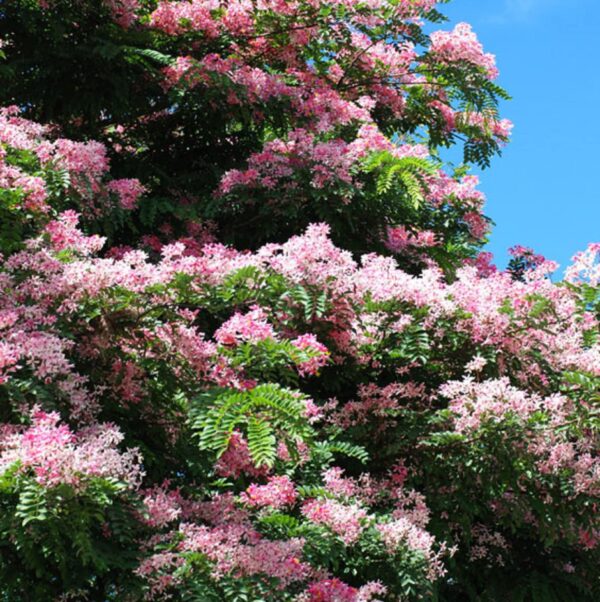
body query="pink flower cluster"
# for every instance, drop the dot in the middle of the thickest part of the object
(21, 134)
(399, 239)
(64, 234)
(55, 454)
(279, 492)
(346, 521)
(486, 123)
(311, 259)
(474, 403)
(331, 590)
(402, 533)
(477, 224)
(237, 461)
(42, 293)
(162, 506)
(84, 163)
(585, 267)
(461, 44)
(124, 12)
(128, 190)
(335, 590)
(319, 355)
(232, 546)
(249, 327)
(77, 157)
(324, 162)
(377, 405)
(177, 17)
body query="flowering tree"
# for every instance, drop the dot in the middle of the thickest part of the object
(250, 347)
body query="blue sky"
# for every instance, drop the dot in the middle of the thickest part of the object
(544, 192)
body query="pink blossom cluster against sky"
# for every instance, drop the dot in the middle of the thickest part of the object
(542, 193)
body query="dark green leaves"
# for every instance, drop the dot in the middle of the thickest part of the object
(264, 414)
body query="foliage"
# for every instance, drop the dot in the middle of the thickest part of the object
(250, 348)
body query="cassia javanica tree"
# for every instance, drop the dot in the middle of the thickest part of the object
(251, 348)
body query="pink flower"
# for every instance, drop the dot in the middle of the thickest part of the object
(55, 454)
(339, 485)
(484, 264)
(474, 403)
(237, 549)
(237, 461)
(346, 521)
(249, 327)
(9, 356)
(177, 17)
(399, 239)
(585, 267)
(277, 493)
(81, 157)
(163, 506)
(589, 539)
(331, 590)
(477, 224)
(477, 364)
(462, 44)
(128, 191)
(318, 354)
(64, 234)
(334, 590)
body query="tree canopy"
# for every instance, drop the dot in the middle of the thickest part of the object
(251, 347)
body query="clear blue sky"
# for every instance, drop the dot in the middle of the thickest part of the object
(544, 192)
